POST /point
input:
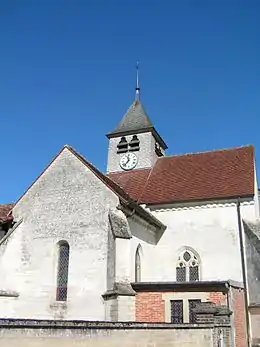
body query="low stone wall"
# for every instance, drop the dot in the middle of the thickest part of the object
(43, 333)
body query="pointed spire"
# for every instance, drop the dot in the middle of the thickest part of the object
(137, 88)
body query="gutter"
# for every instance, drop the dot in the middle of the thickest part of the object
(243, 262)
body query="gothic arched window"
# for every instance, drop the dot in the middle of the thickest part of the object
(62, 271)
(187, 267)
(138, 264)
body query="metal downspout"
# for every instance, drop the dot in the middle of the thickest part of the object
(242, 254)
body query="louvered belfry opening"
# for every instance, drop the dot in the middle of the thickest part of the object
(62, 273)
(134, 144)
(122, 147)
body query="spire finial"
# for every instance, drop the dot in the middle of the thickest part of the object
(137, 88)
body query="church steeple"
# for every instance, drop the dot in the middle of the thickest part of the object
(135, 119)
(135, 127)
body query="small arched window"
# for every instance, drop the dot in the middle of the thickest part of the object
(187, 267)
(138, 264)
(62, 271)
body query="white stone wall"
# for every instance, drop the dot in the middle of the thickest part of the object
(69, 203)
(141, 336)
(146, 156)
(210, 229)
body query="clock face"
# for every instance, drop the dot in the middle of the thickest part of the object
(128, 161)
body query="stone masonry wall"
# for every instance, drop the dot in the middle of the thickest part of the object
(146, 156)
(68, 202)
(80, 334)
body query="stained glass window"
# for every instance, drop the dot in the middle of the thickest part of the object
(138, 265)
(62, 273)
(187, 267)
(176, 311)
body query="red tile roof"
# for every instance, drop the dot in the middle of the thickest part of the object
(4, 210)
(208, 175)
(132, 182)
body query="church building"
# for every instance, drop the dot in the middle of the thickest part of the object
(144, 242)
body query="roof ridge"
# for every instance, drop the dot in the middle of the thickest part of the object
(207, 151)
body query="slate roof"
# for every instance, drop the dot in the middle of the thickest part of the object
(197, 176)
(134, 119)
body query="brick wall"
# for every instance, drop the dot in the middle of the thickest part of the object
(238, 305)
(218, 298)
(150, 306)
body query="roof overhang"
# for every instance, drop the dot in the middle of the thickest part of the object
(197, 286)
(154, 132)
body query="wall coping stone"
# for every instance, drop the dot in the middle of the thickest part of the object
(78, 324)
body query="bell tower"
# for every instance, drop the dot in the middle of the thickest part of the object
(134, 143)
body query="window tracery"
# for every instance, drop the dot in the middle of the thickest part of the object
(187, 267)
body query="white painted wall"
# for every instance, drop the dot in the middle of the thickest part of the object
(210, 229)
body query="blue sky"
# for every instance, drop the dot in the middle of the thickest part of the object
(67, 75)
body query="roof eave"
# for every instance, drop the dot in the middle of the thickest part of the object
(223, 198)
(139, 131)
(181, 286)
